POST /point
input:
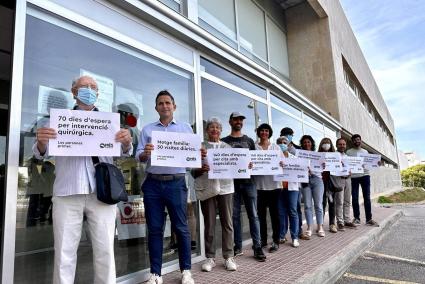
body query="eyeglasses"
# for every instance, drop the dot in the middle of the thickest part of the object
(89, 86)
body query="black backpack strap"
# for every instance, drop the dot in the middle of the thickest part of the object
(95, 160)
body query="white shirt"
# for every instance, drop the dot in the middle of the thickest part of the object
(266, 182)
(74, 175)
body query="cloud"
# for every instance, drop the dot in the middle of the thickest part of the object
(391, 35)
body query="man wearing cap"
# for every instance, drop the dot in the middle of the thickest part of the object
(244, 189)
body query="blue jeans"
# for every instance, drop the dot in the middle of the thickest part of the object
(313, 192)
(288, 203)
(364, 181)
(156, 196)
(247, 193)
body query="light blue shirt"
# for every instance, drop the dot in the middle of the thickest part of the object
(146, 137)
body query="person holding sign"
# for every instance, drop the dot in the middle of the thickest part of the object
(362, 180)
(244, 189)
(329, 195)
(215, 194)
(288, 202)
(292, 149)
(343, 181)
(74, 196)
(312, 192)
(268, 191)
(165, 187)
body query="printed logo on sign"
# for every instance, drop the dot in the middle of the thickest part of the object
(191, 159)
(242, 171)
(274, 168)
(300, 176)
(106, 145)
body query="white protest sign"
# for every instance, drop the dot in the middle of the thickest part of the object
(105, 86)
(294, 170)
(316, 159)
(345, 172)
(332, 161)
(84, 133)
(265, 162)
(228, 163)
(353, 164)
(370, 161)
(174, 149)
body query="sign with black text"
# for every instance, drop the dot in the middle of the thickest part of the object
(228, 163)
(174, 149)
(266, 162)
(294, 170)
(332, 161)
(84, 133)
(317, 159)
(370, 161)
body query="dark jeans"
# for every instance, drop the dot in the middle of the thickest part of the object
(364, 182)
(288, 203)
(156, 196)
(268, 198)
(300, 215)
(247, 193)
(329, 199)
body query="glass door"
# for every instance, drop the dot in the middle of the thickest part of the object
(7, 11)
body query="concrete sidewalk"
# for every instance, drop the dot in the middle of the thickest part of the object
(319, 260)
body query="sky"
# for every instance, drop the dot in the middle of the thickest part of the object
(391, 35)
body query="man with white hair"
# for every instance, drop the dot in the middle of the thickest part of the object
(74, 196)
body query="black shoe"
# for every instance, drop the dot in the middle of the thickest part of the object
(350, 225)
(263, 244)
(238, 251)
(341, 227)
(259, 254)
(193, 245)
(274, 247)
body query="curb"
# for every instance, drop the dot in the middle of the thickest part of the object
(333, 269)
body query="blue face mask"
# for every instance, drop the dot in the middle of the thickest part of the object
(283, 147)
(87, 96)
(289, 138)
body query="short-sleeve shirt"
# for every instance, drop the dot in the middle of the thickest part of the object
(240, 142)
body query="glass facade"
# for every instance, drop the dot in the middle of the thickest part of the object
(58, 50)
(49, 68)
(263, 40)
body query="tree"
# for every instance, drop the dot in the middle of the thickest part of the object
(414, 176)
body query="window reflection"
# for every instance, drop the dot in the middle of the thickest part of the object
(220, 102)
(228, 76)
(284, 105)
(281, 120)
(128, 85)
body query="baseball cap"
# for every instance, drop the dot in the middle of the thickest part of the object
(236, 114)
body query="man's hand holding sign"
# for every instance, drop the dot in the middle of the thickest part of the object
(83, 133)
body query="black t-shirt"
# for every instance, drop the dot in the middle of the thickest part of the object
(240, 142)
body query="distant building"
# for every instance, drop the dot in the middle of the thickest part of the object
(413, 158)
(403, 160)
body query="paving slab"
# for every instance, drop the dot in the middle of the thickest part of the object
(319, 260)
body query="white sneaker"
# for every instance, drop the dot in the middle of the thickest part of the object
(154, 279)
(295, 243)
(230, 264)
(187, 277)
(208, 265)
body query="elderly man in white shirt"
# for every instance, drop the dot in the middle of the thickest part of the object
(74, 195)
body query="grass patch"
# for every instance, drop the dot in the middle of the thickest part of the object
(410, 195)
